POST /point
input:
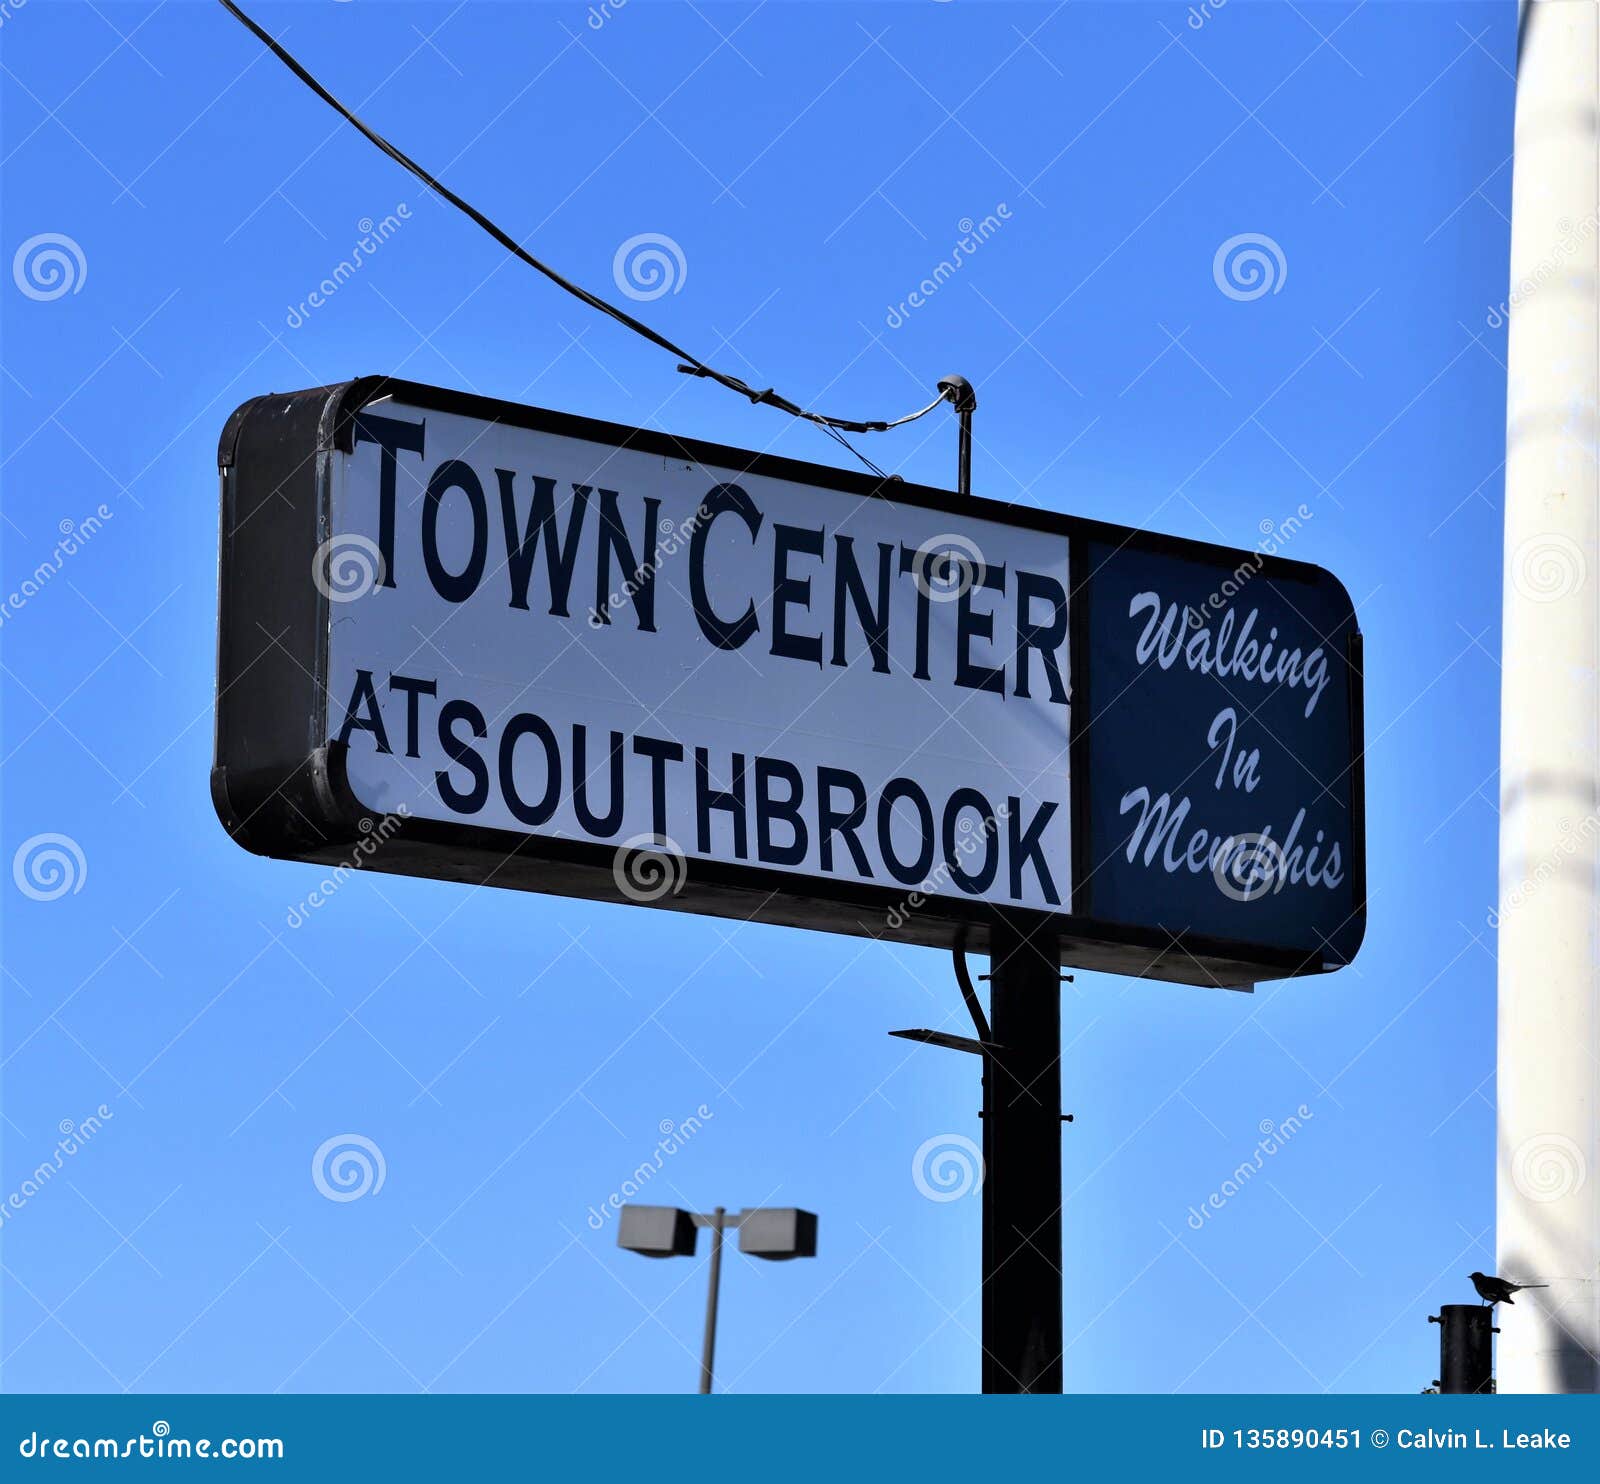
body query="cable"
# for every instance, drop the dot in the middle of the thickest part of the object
(958, 954)
(691, 365)
(849, 447)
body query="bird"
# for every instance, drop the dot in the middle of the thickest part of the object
(1499, 1290)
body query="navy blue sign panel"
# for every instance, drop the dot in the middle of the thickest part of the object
(1221, 732)
(498, 645)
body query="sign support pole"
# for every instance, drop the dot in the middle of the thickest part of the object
(1022, 1329)
(1021, 1047)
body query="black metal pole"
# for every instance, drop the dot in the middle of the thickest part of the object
(1466, 1349)
(708, 1349)
(1022, 1342)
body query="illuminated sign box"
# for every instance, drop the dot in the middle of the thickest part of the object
(483, 642)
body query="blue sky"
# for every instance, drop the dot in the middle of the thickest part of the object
(514, 1058)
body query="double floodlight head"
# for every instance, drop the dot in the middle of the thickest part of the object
(776, 1233)
(657, 1231)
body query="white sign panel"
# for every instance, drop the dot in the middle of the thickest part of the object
(545, 635)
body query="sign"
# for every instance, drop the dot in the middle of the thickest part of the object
(472, 640)
(1209, 722)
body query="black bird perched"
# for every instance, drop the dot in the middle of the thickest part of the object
(1498, 1290)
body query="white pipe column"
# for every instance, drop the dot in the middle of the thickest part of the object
(1548, 1207)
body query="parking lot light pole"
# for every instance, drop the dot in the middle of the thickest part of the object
(776, 1233)
(708, 1347)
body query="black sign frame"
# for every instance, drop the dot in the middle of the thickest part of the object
(279, 787)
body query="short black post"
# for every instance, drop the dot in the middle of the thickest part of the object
(1466, 1349)
(958, 391)
(1022, 1162)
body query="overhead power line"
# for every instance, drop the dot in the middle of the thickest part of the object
(691, 364)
